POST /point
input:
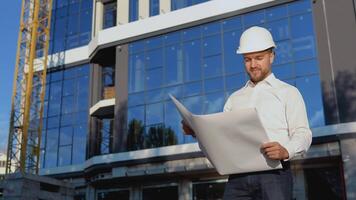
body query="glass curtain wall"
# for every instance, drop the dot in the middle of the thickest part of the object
(179, 4)
(70, 25)
(199, 66)
(65, 117)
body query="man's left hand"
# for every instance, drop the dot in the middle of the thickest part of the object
(274, 151)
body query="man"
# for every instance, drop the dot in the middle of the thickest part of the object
(282, 112)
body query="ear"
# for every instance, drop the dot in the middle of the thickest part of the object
(271, 58)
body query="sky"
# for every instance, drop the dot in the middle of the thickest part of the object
(9, 27)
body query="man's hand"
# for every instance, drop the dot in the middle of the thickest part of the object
(274, 151)
(187, 130)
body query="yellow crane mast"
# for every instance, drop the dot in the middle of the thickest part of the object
(23, 151)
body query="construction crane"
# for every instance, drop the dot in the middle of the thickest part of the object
(23, 150)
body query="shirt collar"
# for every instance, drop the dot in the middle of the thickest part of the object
(270, 79)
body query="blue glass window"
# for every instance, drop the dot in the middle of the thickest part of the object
(214, 102)
(64, 157)
(192, 63)
(212, 45)
(309, 86)
(199, 66)
(70, 25)
(109, 15)
(133, 10)
(179, 4)
(233, 62)
(154, 7)
(67, 107)
(154, 114)
(235, 82)
(174, 65)
(136, 73)
(192, 89)
(212, 66)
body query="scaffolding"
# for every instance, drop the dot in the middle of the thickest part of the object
(23, 151)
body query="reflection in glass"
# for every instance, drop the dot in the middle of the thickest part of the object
(109, 15)
(106, 129)
(212, 191)
(168, 192)
(113, 195)
(133, 10)
(191, 51)
(156, 136)
(65, 128)
(154, 7)
(308, 86)
(199, 65)
(64, 157)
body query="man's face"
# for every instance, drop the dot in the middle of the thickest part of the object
(258, 64)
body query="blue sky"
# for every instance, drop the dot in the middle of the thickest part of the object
(9, 27)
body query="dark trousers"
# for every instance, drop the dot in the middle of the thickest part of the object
(266, 185)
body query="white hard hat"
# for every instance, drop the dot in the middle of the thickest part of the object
(255, 39)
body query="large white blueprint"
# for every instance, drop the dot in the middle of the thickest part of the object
(230, 140)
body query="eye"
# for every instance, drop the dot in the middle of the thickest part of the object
(247, 59)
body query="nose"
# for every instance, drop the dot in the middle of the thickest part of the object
(253, 63)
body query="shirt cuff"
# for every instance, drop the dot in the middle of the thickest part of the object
(291, 152)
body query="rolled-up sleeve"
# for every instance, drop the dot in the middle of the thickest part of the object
(299, 132)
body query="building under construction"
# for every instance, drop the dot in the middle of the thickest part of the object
(110, 129)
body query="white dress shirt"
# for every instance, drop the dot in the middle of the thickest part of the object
(281, 109)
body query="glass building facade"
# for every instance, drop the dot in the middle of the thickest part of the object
(65, 118)
(179, 4)
(70, 24)
(196, 62)
(199, 66)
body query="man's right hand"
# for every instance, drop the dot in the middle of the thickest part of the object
(187, 130)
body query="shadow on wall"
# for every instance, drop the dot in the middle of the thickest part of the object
(345, 86)
(156, 136)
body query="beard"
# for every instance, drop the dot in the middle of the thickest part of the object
(258, 75)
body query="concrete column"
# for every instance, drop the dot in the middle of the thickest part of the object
(122, 12)
(143, 9)
(164, 6)
(135, 193)
(185, 190)
(121, 97)
(98, 17)
(90, 192)
(348, 150)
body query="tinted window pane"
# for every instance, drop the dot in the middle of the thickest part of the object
(212, 45)
(212, 66)
(109, 15)
(154, 78)
(174, 65)
(136, 73)
(214, 102)
(235, 82)
(233, 62)
(154, 114)
(66, 134)
(170, 192)
(64, 157)
(254, 18)
(191, 51)
(213, 85)
(133, 12)
(79, 143)
(309, 86)
(154, 7)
